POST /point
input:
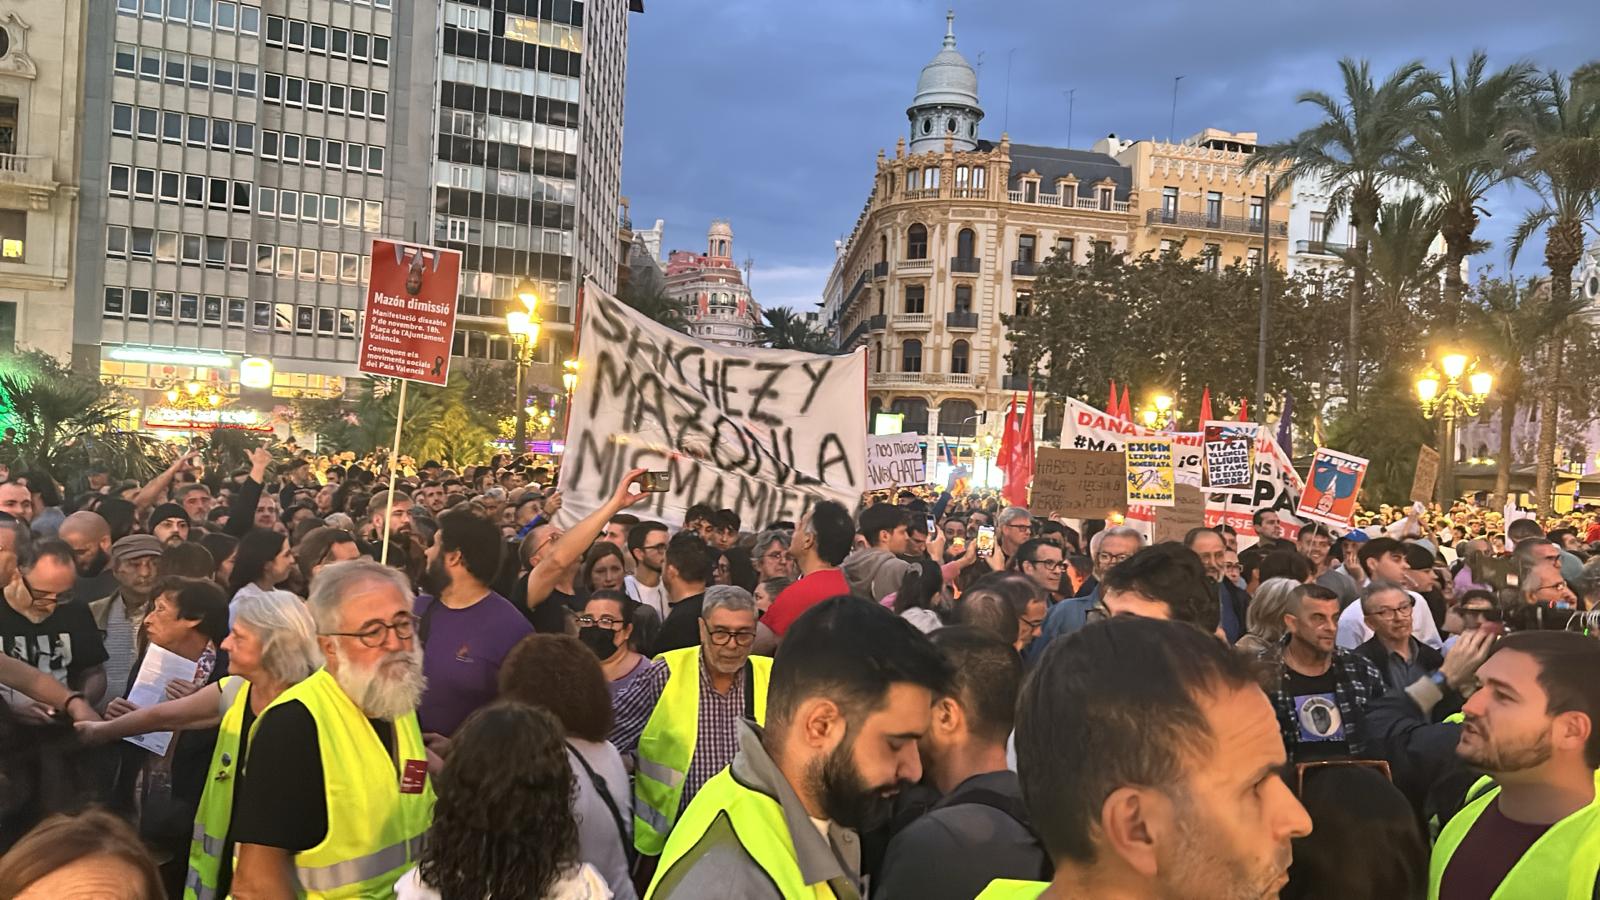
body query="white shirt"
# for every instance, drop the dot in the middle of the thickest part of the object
(653, 597)
(1353, 630)
(582, 883)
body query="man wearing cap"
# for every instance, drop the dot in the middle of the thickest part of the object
(135, 563)
(169, 524)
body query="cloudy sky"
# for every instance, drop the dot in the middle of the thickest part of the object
(770, 113)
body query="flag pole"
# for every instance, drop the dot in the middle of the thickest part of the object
(394, 469)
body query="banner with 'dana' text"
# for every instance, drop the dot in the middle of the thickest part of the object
(765, 433)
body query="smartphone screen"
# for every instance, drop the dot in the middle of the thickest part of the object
(655, 482)
(931, 526)
(985, 540)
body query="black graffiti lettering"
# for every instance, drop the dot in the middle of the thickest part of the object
(710, 381)
(650, 397)
(726, 426)
(591, 453)
(816, 377)
(612, 380)
(609, 325)
(774, 372)
(725, 402)
(840, 457)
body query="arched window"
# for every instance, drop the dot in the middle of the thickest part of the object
(883, 248)
(911, 356)
(978, 181)
(930, 178)
(958, 418)
(915, 411)
(966, 243)
(959, 358)
(917, 242)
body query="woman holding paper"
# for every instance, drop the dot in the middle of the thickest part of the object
(271, 647)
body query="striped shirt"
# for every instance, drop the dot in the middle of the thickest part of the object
(718, 739)
(121, 647)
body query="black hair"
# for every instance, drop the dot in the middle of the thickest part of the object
(1255, 517)
(987, 676)
(1316, 529)
(849, 652)
(836, 533)
(627, 520)
(700, 512)
(198, 600)
(880, 518)
(627, 603)
(916, 524)
(476, 539)
(922, 583)
(1285, 564)
(725, 520)
(1356, 813)
(691, 556)
(42, 484)
(638, 534)
(1171, 573)
(1377, 548)
(258, 547)
(188, 559)
(1418, 557)
(53, 548)
(1115, 704)
(220, 546)
(1195, 533)
(1030, 548)
(1519, 530)
(1569, 673)
(998, 602)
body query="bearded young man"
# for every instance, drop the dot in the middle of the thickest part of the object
(335, 797)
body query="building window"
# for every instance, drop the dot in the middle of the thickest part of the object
(1213, 208)
(1025, 247)
(1030, 191)
(966, 243)
(916, 299)
(1106, 196)
(959, 362)
(1212, 256)
(1167, 246)
(1169, 204)
(13, 233)
(1066, 249)
(911, 356)
(961, 178)
(1319, 226)
(1024, 305)
(1257, 205)
(114, 298)
(1253, 258)
(930, 178)
(455, 229)
(963, 298)
(1102, 250)
(978, 180)
(917, 242)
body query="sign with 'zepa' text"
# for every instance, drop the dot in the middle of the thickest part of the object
(410, 312)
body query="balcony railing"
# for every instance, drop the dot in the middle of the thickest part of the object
(913, 321)
(961, 320)
(969, 264)
(855, 289)
(920, 379)
(855, 334)
(908, 265)
(969, 192)
(922, 194)
(1091, 204)
(877, 322)
(880, 270)
(1207, 222)
(1024, 267)
(1320, 248)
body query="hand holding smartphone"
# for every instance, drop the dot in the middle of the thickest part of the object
(655, 482)
(985, 540)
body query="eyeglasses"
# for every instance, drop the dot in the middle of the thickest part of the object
(1393, 612)
(721, 637)
(375, 634)
(1052, 565)
(611, 623)
(1232, 567)
(1112, 558)
(775, 556)
(1302, 768)
(1020, 526)
(654, 548)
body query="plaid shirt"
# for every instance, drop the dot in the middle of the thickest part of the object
(1356, 682)
(718, 737)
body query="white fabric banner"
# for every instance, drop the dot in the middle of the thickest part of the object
(766, 433)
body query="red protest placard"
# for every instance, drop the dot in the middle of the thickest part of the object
(411, 312)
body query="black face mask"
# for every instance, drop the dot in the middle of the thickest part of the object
(601, 640)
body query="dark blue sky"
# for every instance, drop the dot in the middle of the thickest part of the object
(770, 114)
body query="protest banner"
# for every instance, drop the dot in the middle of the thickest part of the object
(1230, 450)
(765, 433)
(1331, 488)
(1150, 476)
(1188, 512)
(1274, 485)
(1078, 483)
(1427, 474)
(895, 460)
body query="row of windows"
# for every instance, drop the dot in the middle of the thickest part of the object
(326, 152)
(511, 79)
(508, 183)
(911, 357)
(123, 242)
(471, 231)
(218, 15)
(484, 126)
(526, 29)
(176, 187)
(208, 309)
(351, 212)
(307, 264)
(325, 39)
(178, 68)
(292, 91)
(176, 128)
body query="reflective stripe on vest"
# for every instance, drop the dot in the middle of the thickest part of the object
(1009, 889)
(193, 888)
(762, 832)
(667, 744)
(1561, 865)
(216, 803)
(374, 831)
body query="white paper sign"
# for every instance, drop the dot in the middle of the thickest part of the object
(159, 668)
(895, 460)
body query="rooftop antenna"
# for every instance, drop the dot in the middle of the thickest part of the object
(749, 263)
(1172, 123)
(1005, 124)
(1070, 98)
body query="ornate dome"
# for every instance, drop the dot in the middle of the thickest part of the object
(948, 79)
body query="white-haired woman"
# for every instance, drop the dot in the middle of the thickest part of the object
(1264, 621)
(271, 646)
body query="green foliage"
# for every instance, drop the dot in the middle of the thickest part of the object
(453, 424)
(1387, 429)
(784, 330)
(67, 421)
(652, 302)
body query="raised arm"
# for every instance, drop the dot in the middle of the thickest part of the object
(570, 547)
(157, 487)
(201, 709)
(242, 515)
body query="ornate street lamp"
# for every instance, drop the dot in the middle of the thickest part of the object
(523, 325)
(1159, 413)
(1454, 390)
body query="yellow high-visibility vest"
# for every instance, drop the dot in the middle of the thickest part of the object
(1008, 889)
(216, 803)
(1561, 865)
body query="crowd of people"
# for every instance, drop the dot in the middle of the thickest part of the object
(303, 678)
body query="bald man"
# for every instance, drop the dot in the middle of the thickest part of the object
(89, 536)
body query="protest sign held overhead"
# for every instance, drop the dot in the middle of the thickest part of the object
(1427, 474)
(410, 312)
(1150, 475)
(766, 433)
(1230, 452)
(1078, 483)
(1332, 487)
(895, 460)
(1188, 511)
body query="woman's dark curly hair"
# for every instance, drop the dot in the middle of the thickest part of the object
(503, 824)
(558, 673)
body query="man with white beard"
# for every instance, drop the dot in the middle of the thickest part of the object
(335, 797)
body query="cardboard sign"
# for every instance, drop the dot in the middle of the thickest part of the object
(1078, 483)
(1150, 475)
(765, 433)
(410, 312)
(1230, 454)
(1187, 513)
(1427, 476)
(1331, 488)
(895, 460)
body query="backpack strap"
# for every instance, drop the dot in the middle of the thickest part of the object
(599, 784)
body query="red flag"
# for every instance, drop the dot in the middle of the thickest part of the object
(1008, 437)
(1111, 404)
(1020, 474)
(1244, 410)
(1125, 411)
(1205, 406)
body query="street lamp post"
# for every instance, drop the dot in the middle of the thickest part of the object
(1441, 394)
(569, 382)
(523, 325)
(986, 449)
(1159, 413)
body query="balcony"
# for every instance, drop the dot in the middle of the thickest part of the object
(877, 322)
(880, 270)
(25, 181)
(1014, 383)
(913, 321)
(1026, 268)
(856, 334)
(855, 289)
(967, 320)
(920, 380)
(922, 194)
(1070, 201)
(1320, 248)
(1205, 222)
(967, 264)
(914, 265)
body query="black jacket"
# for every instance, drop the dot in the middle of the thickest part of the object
(1374, 650)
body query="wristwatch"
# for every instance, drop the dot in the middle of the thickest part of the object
(1439, 679)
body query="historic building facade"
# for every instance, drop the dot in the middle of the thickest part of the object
(715, 299)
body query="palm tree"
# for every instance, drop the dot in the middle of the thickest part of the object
(1464, 146)
(1356, 151)
(785, 330)
(1563, 168)
(67, 421)
(653, 302)
(1401, 263)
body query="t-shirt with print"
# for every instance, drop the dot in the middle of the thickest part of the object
(1319, 724)
(63, 646)
(461, 656)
